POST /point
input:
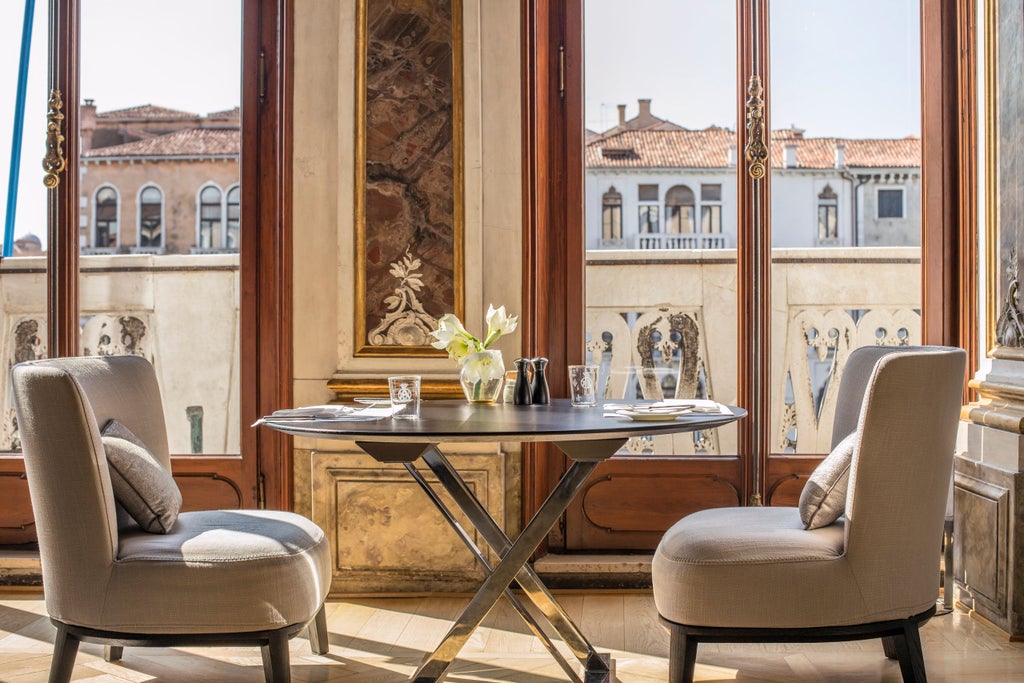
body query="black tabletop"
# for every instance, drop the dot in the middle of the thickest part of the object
(456, 420)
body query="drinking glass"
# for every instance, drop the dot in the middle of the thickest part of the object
(583, 385)
(405, 395)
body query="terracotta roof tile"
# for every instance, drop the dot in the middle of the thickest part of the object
(709, 148)
(225, 114)
(184, 143)
(147, 111)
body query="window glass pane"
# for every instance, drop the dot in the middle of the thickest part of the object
(23, 324)
(890, 203)
(847, 131)
(648, 193)
(106, 219)
(649, 219)
(663, 324)
(711, 193)
(711, 219)
(161, 125)
(234, 212)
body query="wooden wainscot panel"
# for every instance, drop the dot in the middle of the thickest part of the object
(209, 482)
(386, 535)
(982, 529)
(16, 523)
(785, 478)
(607, 504)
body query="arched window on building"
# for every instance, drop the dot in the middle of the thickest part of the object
(679, 210)
(234, 210)
(151, 217)
(104, 218)
(211, 218)
(828, 216)
(611, 215)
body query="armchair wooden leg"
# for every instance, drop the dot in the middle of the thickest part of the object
(889, 647)
(910, 654)
(65, 648)
(276, 664)
(319, 639)
(112, 653)
(682, 657)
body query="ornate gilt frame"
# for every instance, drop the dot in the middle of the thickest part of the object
(361, 346)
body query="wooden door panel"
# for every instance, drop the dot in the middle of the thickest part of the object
(785, 476)
(16, 523)
(213, 482)
(206, 483)
(609, 517)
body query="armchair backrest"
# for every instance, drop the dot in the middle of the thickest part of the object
(899, 478)
(61, 405)
(854, 382)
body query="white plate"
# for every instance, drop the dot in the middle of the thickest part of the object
(375, 401)
(653, 414)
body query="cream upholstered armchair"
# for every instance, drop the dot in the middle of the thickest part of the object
(756, 574)
(227, 577)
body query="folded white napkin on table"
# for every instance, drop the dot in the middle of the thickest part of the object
(331, 413)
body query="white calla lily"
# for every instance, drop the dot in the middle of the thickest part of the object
(483, 366)
(498, 323)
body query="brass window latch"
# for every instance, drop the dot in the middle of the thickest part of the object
(54, 162)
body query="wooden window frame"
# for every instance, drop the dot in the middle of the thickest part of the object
(553, 196)
(265, 253)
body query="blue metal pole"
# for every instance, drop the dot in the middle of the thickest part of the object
(19, 121)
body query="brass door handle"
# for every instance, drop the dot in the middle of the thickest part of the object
(53, 162)
(756, 152)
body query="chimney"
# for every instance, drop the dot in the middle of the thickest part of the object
(645, 109)
(622, 114)
(840, 155)
(732, 155)
(86, 124)
(789, 155)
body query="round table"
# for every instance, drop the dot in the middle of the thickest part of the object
(586, 435)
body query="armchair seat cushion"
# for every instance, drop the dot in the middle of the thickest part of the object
(216, 572)
(707, 562)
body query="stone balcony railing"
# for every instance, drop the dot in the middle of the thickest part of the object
(180, 312)
(660, 323)
(658, 240)
(664, 326)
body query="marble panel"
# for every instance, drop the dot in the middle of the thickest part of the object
(988, 530)
(386, 535)
(981, 523)
(412, 183)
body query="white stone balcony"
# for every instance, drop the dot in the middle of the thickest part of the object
(180, 312)
(658, 240)
(663, 326)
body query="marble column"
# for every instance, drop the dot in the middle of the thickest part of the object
(989, 500)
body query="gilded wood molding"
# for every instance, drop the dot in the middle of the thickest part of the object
(347, 389)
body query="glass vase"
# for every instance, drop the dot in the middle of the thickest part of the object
(482, 375)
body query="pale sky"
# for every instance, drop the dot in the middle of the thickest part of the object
(839, 67)
(181, 54)
(844, 68)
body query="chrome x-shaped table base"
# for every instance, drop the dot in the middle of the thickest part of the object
(514, 556)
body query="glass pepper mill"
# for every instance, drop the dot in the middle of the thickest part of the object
(541, 393)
